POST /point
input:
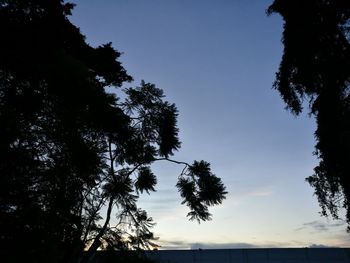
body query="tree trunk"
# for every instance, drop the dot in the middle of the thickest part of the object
(97, 242)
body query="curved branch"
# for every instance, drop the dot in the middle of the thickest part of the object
(187, 165)
(171, 160)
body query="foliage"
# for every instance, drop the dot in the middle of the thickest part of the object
(200, 188)
(69, 149)
(316, 67)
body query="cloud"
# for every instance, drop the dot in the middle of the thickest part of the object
(335, 233)
(158, 202)
(248, 190)
(260, 193)
(176, 244)
(342, 239)
(246, 193)
(319, 246)
(320, 226)
(221, 246)
(182, 245)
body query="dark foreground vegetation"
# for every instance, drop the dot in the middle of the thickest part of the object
(71, 149)
(72, 154)
(315, 70)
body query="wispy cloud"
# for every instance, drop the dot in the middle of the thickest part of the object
(259, 192)
(221, 246)
(341, 239)
(320, 226)
(247, 192)
(319, 246)
(334, 234)
(176, 244)
(160, 202)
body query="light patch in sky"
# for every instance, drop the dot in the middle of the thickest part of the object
(216, 60)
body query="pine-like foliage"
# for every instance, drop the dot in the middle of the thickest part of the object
(315, 68)
(73, 154)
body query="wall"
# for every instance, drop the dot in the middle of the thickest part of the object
(278, 255)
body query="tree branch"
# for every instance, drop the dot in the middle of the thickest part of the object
(187, 165)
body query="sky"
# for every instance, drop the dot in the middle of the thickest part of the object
(216, 60)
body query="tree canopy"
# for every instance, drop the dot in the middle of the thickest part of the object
(69, 148)
(315, 70)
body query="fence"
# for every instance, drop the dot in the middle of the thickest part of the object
(272, 255)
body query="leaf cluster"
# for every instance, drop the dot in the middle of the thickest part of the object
(200, 188)
(315, 68)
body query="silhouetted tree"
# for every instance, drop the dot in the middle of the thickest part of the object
(316, 67)
(68, 148)
(153, 136)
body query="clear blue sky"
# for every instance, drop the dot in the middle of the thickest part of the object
(216, 60)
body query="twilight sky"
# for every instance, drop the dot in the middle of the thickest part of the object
(216, 60)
